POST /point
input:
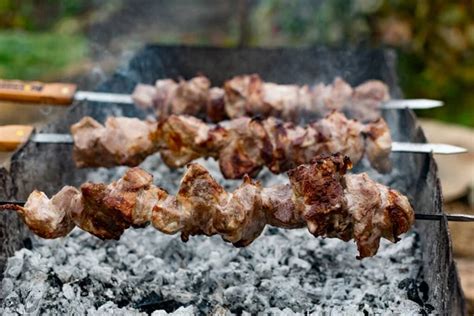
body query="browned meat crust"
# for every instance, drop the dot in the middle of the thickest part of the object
(242, 146)
(249, 95)
(320, 196)
(193, 97)
(122, 141)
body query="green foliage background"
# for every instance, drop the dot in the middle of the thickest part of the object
(40, 15)
(434, 40)
(41, 39)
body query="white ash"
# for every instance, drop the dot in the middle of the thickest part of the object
(146, 272)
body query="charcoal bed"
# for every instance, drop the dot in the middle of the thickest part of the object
(433, 284)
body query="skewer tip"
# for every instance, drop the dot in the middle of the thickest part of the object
(441, 149)
(414, 104)
(449, 217)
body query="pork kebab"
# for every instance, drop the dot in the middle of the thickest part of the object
(319, 196)
(249, 95)
(243, 95)
(242, 146)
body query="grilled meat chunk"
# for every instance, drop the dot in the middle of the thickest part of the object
(248, 95)
(144, 95)
(171, 97)
(122, 141)
(320, 196)
(215, 110)
(366, 100)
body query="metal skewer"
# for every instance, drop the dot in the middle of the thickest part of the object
(4, 205)
(449, 217)
(414, 104)
(12, 136)
(394, 104)
(103, 97)
(440, 149)
(444, 149)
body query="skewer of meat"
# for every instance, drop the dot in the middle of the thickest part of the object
(249, 95)
(242, 146)
(196, 97)
(319, 196)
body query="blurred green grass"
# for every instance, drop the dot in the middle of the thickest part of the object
(30, 56)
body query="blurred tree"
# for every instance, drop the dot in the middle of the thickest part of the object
(39, 15)
(436, 53)
(42, 39)
(276, 22)
(434, 38)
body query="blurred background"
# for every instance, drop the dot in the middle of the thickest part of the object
(62, 39)
(83, 41)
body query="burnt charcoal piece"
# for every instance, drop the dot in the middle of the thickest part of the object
(54, 280)
(85, 284)
(411, 287)
(424, 289)
(154, 301)
(27, 243)
(429, 308)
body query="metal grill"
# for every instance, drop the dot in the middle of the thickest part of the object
(50, 166)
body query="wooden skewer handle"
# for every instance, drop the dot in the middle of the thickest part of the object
(12, 136)
(37, 92)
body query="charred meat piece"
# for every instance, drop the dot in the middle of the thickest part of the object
(320, 196)
(242, 146)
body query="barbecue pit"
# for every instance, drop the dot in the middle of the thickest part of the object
(428, 278)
